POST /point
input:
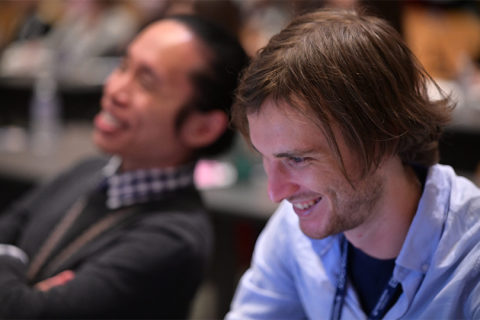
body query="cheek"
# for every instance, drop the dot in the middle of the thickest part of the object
(318, 179)
(156, 125)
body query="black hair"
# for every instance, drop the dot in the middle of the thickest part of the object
(215, 87)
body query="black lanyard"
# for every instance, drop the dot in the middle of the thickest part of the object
(380, 308)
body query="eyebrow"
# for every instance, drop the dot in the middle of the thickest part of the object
(144, 68)
(293, 154)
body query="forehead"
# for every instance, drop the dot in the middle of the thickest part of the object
(281, 129)
(168, 45)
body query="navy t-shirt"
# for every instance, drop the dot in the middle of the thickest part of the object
(369, 277)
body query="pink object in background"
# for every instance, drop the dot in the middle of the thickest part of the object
(214, 174)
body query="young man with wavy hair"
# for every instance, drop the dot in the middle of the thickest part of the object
(369, 224)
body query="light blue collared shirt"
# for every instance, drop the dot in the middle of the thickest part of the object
(294, 277)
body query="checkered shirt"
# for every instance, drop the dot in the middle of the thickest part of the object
(144, 185)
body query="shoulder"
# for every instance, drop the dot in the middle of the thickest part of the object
(450, 201)
(465, 196)
(460, 197)
(459, 190)
(87, 166)
(80, 172)
(181, 222)
(458, 200)
(65, 187)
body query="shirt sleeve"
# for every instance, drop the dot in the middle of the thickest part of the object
(12, 251)
(267, 290)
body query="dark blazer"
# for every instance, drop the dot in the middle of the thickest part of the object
(147, 266)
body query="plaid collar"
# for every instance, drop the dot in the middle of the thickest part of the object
(144, 185)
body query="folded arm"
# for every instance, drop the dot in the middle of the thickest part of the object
(109, 284)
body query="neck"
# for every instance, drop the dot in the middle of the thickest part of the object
(382, 235)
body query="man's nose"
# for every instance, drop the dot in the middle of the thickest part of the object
(280, 185)
(118, 88)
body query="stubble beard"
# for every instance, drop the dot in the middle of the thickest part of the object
(350, 207)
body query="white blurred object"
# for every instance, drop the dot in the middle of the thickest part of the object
(45, 112)
(23, 59)
(210, 174)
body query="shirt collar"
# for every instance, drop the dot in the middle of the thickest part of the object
(427, 225)
(143, 185)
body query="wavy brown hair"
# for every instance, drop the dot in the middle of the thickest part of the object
(352, 71)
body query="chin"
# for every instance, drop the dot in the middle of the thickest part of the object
(97, 140)
(314, 232)
(102, 145)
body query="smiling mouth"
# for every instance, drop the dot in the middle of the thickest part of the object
(110, 119)
(108, 123)
(306, 205)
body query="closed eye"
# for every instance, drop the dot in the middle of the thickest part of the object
(147, 81)
(298, 162)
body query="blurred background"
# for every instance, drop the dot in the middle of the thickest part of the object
(55, 55)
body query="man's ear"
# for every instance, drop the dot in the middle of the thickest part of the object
(201, 129)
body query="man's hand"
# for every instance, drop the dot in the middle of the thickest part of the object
(58, 280)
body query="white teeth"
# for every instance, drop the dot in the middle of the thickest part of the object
(110, 119)
(305, 205)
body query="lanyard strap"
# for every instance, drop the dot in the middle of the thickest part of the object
(55, 236)
(61, 229)
(380, 308)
